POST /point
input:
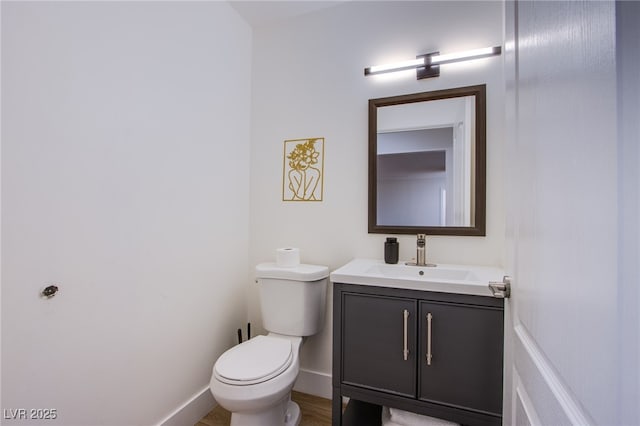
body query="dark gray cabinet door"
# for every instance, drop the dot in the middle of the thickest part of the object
(373, 343)
(466, 345)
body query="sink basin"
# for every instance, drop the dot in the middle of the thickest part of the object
(461, 279)
(422, 273)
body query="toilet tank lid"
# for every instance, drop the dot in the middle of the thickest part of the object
(302, 272)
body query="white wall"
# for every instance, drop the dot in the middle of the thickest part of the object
(125, 181)
(308, 82)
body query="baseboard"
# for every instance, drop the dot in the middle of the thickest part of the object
(192, 411)
(313, 383)
(200, 404)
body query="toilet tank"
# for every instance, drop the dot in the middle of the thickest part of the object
(292, 299)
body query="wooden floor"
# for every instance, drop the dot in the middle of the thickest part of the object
(316, 411)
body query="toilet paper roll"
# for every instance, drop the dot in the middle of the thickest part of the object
(287, 257)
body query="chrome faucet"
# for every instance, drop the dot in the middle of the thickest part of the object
(421, 252)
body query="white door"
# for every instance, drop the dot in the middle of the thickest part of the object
(572, 203)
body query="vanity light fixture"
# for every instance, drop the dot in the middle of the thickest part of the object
(428, 65)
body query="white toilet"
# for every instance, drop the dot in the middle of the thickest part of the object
(253, 380)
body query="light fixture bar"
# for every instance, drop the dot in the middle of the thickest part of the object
(466, 56)
(398, 66)
(428, 65)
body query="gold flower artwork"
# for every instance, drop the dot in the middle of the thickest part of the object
(303, 166)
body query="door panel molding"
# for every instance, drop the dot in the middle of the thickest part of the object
(561, 407)
(524, 413)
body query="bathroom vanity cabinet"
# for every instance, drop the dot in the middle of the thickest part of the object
(433, 353)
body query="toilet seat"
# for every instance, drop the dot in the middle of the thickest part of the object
(254, 361)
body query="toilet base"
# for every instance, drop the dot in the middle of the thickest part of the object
(286, 413)
(293, 416)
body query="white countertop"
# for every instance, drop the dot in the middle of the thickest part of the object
(444, 278)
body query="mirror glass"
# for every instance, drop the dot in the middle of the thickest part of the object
(427, 163)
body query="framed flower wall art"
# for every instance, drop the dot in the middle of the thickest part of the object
(303, 170)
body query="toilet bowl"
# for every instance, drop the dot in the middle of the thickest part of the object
(253, 380)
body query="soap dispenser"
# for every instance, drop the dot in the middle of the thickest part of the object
(391, 250)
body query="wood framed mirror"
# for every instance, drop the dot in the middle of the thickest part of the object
(427, 163)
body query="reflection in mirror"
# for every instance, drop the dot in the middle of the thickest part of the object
(426, 171)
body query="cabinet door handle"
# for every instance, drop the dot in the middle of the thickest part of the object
(429, 354)
(405, 347)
